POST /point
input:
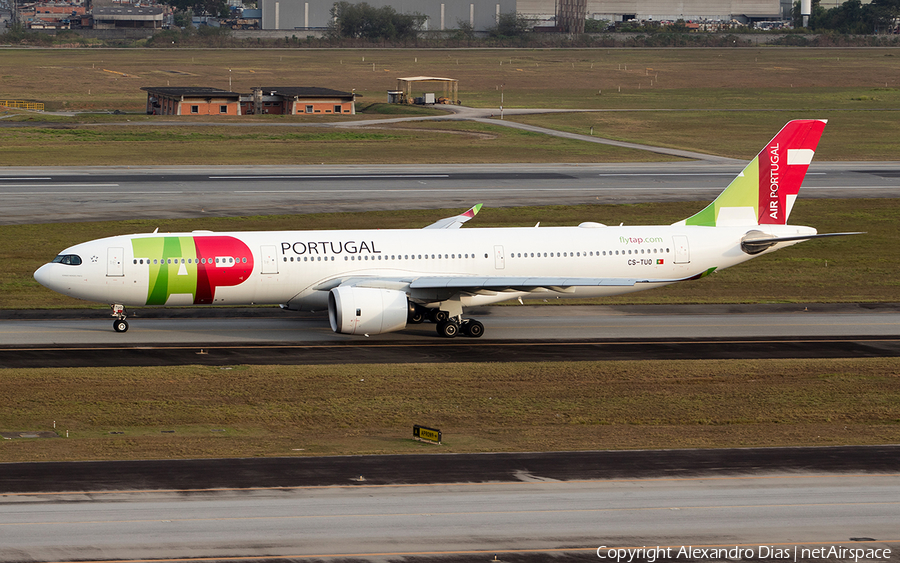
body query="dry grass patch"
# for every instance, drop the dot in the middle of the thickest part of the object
(848, 136)
(301, 410)
(79, 78)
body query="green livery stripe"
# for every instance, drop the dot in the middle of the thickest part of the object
(168, 275)
(743, 191)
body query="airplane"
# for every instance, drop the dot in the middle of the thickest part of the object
(380, 281)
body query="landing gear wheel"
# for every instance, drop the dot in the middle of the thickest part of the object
(120, 325)
(472, 328)
(447, 329)
(438, 316)
(416, 317)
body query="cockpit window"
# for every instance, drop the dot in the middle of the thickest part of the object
(70, 259)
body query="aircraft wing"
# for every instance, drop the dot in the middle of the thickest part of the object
(476, 284)
(498, 283)
(456, 222)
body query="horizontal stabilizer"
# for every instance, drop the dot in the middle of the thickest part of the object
(757, 245)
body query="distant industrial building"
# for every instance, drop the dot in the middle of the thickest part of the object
(128, 17)
(567, 15)
(73, 14)
(744, 11)
(312, 15)
(195, 100)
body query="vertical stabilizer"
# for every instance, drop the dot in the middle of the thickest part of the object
(765, 191)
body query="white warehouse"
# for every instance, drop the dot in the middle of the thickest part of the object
(619, 10)
(442, 14)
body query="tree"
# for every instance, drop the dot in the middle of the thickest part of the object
(884, 13)
(217, 8)
(465, 29)
(365, 21)
(511, 24)
(851, 17)
(596, 26)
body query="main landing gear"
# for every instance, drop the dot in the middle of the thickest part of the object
(119, 324)
(447, 326)
(450, 328)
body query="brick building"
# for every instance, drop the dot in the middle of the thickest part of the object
(279, 100)
(192, 100)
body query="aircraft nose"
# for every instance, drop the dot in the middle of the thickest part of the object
(42, 276)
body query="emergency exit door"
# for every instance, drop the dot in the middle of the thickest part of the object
(682, 251)
(269, 257)
(499, 258)
(115, 263)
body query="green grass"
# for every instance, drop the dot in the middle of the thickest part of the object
(368, 409)
(721, 101)
(845, 269)
(849, 135)
(148, 144)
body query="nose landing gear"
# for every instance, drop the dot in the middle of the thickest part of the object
(119, 322)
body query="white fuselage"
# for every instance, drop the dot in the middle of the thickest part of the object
(298, 268)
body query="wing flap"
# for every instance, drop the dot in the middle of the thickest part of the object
(524, 283)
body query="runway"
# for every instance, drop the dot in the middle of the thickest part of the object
(39, 195)
(524, 333)
(520, 507)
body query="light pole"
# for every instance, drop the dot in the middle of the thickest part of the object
(501, 101)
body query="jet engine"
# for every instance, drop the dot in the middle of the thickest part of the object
(367, 310)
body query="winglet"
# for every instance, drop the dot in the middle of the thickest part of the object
(456, 221)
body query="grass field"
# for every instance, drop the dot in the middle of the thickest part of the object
(720, 101)
(845, 269)
(147, 144)
(849, 135)
(367, 409)
(733, 78)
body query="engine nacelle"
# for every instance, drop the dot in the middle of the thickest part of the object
(367, 310)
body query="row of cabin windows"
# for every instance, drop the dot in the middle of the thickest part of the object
(226, 260)
(467, 256)
(590, 253)
(379, 257)
(231, 260)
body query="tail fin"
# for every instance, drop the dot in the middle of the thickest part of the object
(765, 191)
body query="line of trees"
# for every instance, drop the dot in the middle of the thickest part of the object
(362, 21)
(852, 16)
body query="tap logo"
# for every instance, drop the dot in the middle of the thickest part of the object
(193, 266)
